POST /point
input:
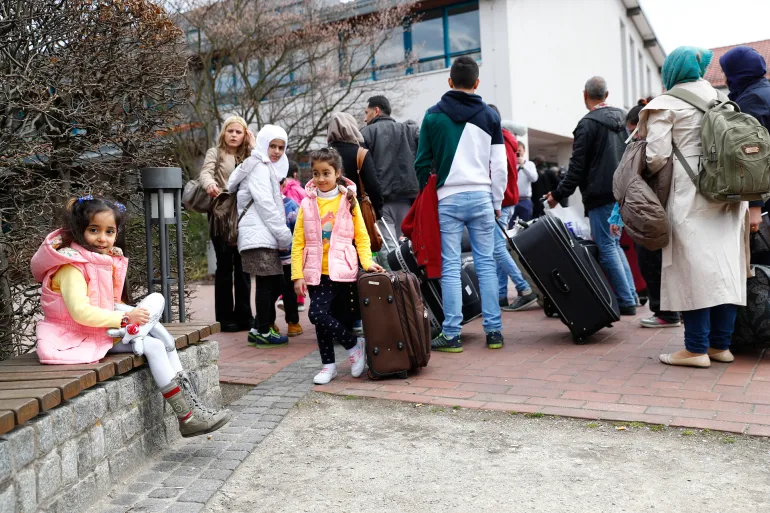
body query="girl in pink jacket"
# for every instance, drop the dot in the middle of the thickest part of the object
(82, 269)
(325, 262)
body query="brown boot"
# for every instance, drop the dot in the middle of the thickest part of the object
(294, 329)
(194, 418)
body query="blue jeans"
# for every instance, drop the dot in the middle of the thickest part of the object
(709, 327)
(473, 210)
(506, 266)
(524, 209)
(611, 256)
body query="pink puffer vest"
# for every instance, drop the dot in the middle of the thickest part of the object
(61, 340)
(343, 258)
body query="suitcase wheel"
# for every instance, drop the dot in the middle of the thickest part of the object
(579, 339)
(548, 309)
(372, 375)
(402, 375)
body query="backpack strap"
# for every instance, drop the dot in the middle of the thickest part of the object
(689, 97)
(360, 156)
(250, 203)
(686, 166)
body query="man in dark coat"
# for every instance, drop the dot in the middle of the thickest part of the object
(745, 70)
(596, 152)
(393, 146)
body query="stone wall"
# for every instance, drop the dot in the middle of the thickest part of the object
(64, 460)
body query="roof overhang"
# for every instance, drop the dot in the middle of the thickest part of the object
(642, 23)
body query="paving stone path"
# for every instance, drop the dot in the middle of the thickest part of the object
(183, 478)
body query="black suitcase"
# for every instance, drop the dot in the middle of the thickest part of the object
(570, 278)
(403, 259)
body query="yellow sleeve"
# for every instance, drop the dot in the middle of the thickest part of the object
(298, 247)
(363, 242)
(70, 282)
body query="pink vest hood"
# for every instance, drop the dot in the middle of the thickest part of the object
(59, 338)
(343, 258)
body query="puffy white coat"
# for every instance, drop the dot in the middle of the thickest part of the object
(704, 263)
(264, 225)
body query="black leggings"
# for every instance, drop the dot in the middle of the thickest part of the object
(268, 290)
(650, 265)
(333, 311)
(290, 306)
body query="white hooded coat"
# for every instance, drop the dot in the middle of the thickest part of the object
(704, 263)
(264, 224)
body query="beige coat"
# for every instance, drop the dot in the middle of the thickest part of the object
(704, 263)
(208, 175)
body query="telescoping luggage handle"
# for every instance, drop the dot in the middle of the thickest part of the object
(390, 233)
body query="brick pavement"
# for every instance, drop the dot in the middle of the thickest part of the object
(186, 475)
(616, 376)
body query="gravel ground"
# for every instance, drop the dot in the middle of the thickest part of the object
(336, 454)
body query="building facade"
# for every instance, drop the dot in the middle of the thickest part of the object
(534, 57)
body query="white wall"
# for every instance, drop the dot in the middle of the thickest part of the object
(536, 58)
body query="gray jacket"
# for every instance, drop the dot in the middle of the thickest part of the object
(393, 146)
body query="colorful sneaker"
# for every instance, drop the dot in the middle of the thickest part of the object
(447, 345)
(495, 340)
(272, 339)
(274, 328)
(357, 358)
(521, 302)
(327, 374)
(300, 304)
(657, 322)
(294, 329)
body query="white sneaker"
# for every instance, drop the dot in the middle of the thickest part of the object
(301, 308)
(358, 358)
(325, 376)
(279, 303)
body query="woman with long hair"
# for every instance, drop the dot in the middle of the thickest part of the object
(234, 145)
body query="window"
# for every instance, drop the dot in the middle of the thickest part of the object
(634, 83)
(438, 36)
(649, 82)
(624, 59)
(640, 59)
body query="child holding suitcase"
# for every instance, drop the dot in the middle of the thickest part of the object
(325, 261)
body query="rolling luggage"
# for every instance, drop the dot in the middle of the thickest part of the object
(403, 259)
(570, 278)
(395, 323)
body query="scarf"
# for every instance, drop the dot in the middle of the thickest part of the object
(685, 64)
(343, 128)
(261, 151)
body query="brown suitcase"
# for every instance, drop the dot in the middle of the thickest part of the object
(395, 323)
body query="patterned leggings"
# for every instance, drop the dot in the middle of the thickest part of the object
(333, 311)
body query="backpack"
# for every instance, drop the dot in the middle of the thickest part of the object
(225, 217)
(735, 165)
(642, 197)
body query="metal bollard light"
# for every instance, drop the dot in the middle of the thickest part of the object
(163, 207)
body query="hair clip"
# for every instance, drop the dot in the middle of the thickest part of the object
(85, 198)
(120, 206)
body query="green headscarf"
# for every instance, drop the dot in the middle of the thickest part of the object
(685, 64)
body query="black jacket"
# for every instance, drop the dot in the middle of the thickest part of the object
(394, 147)
(596, 152)
(349, 152)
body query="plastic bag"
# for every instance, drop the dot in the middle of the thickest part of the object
(576, 223)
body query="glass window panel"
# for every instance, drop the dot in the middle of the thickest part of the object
(431, 65)
(428, 35)
(464, 29)
(392, 50)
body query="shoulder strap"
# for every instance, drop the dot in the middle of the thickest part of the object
(248, 205)
(686, 166)
(689, 97)
(360, 156)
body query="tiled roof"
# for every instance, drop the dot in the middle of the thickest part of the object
(714, 73)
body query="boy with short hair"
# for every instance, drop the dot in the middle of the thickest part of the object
(462, 137)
